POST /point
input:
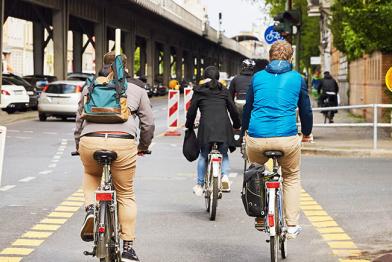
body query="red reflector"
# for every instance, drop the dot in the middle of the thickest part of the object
(101, 229)
(272, 184)
(103, 196)
(5, 92)
(271, 220)
(78, 89)
(45, 88)
(216, 159)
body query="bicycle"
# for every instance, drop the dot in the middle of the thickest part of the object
(272, 220)
(212, 181)
(327, 102)
(106, 225)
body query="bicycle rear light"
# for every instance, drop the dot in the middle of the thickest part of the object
(272, 184)
(271, 220)
(103, 196)
(216, 159)
(101, 229)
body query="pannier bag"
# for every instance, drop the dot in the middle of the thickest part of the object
(107, 103)
(253, 190)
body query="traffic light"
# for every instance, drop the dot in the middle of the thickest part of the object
(285, 21)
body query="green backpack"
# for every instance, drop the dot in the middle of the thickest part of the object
(107, 103)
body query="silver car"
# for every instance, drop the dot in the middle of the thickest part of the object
(60, 99)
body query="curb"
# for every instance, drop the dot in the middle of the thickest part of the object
(337, 152)
(6, 119)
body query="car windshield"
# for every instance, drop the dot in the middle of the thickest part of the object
(61, 89)
(19, 81)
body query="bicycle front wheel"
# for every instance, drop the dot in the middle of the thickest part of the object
(214, 198)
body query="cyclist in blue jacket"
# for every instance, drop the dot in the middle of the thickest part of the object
(270, 118)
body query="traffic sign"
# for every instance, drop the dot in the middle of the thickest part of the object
(271, 36)
(388, 79)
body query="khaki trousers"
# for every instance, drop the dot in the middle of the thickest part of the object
(290, 163)
(123, 173)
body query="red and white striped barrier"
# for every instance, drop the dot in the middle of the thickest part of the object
(188, 93)
(173, 116)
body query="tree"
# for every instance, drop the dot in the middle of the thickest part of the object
(360, 27)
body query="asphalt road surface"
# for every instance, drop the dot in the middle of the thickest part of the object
(348, 197)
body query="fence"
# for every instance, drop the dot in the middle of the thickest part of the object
(375, 123)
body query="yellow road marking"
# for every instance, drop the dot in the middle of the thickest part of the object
(78, 194)
(320, 219)
(57, 221)
(66, 209)
(16, 251)
(71, 198)
(315, 213)
(10, 259)
(36, 234)
(28, 242)
(342, 244)
(341, 236)
(60, 214)
(314, 207)
(346, 252)
(327, 230)
(72, 204)
(353, 260)
(45, 227)
(308, 203)
(325, 224)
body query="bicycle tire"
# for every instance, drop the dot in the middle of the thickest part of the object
(275, 240)
(108, 241)
(282, 239)
(214, 198)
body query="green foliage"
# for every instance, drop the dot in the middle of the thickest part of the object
(310, 30)
(360, 27)
(136, 64)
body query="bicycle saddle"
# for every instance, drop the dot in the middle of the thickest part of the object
(105, 155)
(273, 153)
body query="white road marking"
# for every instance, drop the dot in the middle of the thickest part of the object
(233, 175)
(23, 137)
(28, 131)
(173, 145)
(56, 157)
(52, 165)
(9, 136)
(59, 152)
(55, 160)
(13, 131)
(5, 188)
(45, 172)
(49, 133)
(27, 179)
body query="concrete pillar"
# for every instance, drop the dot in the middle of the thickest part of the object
(60, 40)
(198, 74)
(179, 54)
(129, 50)
(188, 66)
(77, 45)
(38, 48)
(166, 64)
(151, 60)
(101, 42)
(143, 59)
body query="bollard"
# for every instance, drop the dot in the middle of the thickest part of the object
(173, 116)
(188, 93)
(3, 132)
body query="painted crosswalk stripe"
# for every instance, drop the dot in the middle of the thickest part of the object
(28, 242)
(27, 179)
(6, 188)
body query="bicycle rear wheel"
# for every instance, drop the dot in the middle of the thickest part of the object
(214, 198)
(106, 246)
(275, 240)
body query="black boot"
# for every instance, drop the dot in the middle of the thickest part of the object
(129, 253)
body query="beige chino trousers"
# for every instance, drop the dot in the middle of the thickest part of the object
(290, 163)
(123, 173)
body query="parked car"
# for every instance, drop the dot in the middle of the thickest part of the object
(39, 81)
(142, 84)
(13, 97)
(60, 99)
(79, 76)
(31, 91)
(160, 89)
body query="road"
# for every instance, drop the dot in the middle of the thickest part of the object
(346, 204)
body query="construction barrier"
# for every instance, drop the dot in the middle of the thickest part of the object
(3, 132)
(188, 92)
(173, 116)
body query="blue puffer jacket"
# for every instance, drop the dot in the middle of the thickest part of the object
(272, 100)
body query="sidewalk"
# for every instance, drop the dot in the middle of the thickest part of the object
(6, 118)
(347, 141)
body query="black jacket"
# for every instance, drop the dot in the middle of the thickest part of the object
(240, 84)
(215, 125)
(328, 84)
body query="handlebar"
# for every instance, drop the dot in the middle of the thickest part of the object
(75, 153)
(145, 152)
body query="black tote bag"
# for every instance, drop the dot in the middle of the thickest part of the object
(190, 148)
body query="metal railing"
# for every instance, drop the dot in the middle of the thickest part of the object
(375, 123)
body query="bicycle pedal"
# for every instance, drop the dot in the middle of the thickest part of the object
(86, 253)
(267, 240)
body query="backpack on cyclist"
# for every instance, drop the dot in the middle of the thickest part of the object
(107, 103)
(253, 190)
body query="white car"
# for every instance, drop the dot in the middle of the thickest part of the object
(60, 99)
(13, 97)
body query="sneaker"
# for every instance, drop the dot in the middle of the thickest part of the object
(225, 184)
(87, 232)
(198, 190)
(293, 232)
(128, 255)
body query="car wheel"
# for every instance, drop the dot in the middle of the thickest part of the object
(42, 117)
(10, 110)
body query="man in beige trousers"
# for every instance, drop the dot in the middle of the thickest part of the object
(270, 118)
(119, 137)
